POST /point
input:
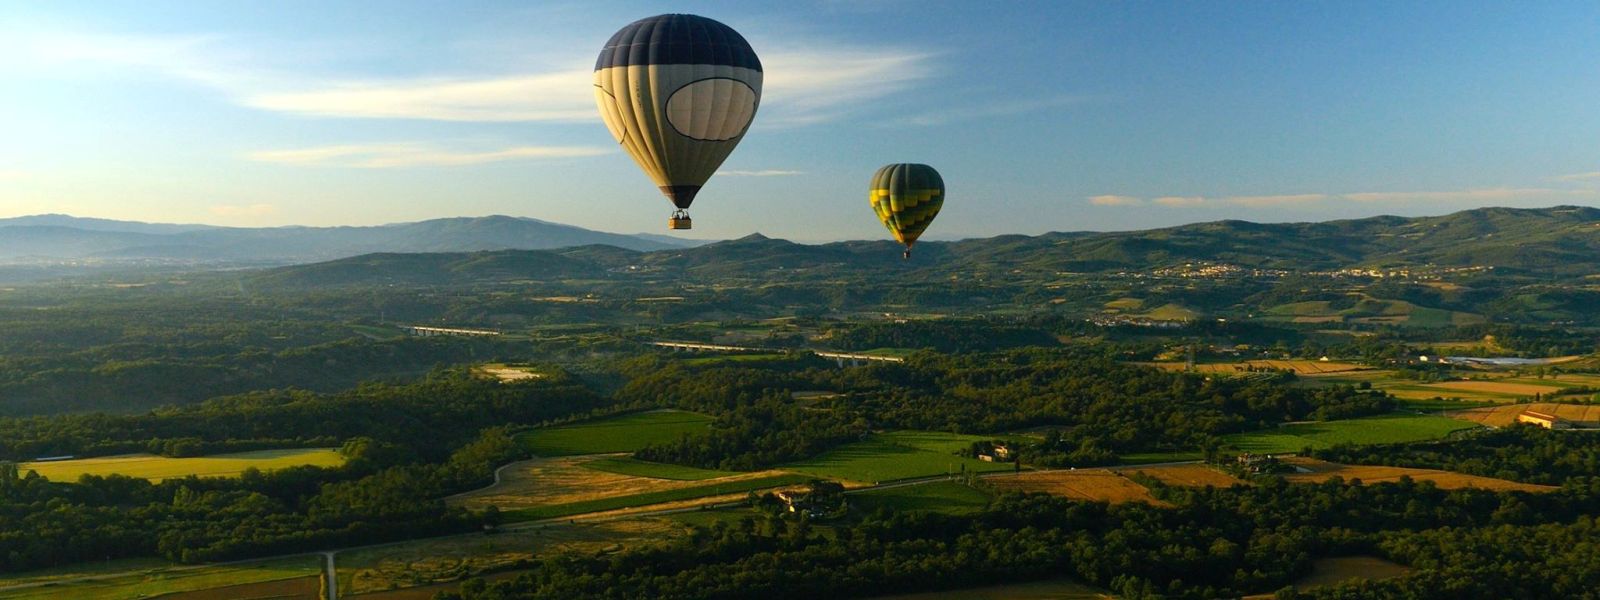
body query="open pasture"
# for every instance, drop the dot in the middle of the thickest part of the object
(1318, 471)
(897, 455)
(621, 433)
(1506, 414)
(727, 489)
(157, 468)
(1384, 429)
(437, 560)
(1191, 475)
(1095, 485)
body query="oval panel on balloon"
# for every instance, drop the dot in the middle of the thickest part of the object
(713, 110)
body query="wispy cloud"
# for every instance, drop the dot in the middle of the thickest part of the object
(560, 96)
(1180, 201)
(1581, 177)
(760, 173)
(805, 83)
(1471, 195)
(988, 110)
(1284, 200)
(384, 156)
(1114, 200)
(805, 86)
(243, 210)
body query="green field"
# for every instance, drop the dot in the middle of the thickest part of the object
(145, 583)
(896, 455)
(948, 497)
(623, 433)
(156, 468)
(623, 465)
(689, 493)
(1148, 458)
(1386, 429)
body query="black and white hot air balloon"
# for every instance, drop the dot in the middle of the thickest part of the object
(678, 92)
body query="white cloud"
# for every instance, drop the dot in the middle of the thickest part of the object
(760, 173)
(243, 210)
(1114, 200)
(412, 154)
(1284, 200)
(1180, 201)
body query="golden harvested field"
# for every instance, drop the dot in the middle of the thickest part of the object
(1336, 570)
(1495, 387)
(564, 480)
(1300, 367)
(1098, 485)
(1192, 475)
(507, 372)
(439, 560)
(156, 468)
(1506, 414)
(1321, 471)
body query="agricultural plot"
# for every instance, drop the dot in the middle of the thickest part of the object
(718, 490)
(157, 468)
(172, 579)
(1094, 485)
(1386, 429)
(624, 465)
(1506, 414)
(1504, 388)
(1371, 310)
(897, 455)
(426, 562)
(1034, 590)
(622, 433)
(947, 497)
(545, 482)
(1318, 471)
(1192, 475)
(1333, 571)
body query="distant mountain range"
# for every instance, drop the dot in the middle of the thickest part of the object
(45, 237)
(1562, 241)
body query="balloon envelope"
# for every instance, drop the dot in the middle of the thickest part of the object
(678, 93)
(907, 197)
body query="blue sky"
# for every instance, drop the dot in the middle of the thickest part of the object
(1042, 116)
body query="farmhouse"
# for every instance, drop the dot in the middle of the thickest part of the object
(1545, 420)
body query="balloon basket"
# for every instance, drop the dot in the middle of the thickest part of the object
(680, 221)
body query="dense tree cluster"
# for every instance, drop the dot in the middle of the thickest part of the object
(1520, 453)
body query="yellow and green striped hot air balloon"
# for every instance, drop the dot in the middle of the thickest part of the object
(907, 197)
(678, 93)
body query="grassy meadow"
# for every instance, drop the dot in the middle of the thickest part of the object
(896, 455)
(947, 497)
